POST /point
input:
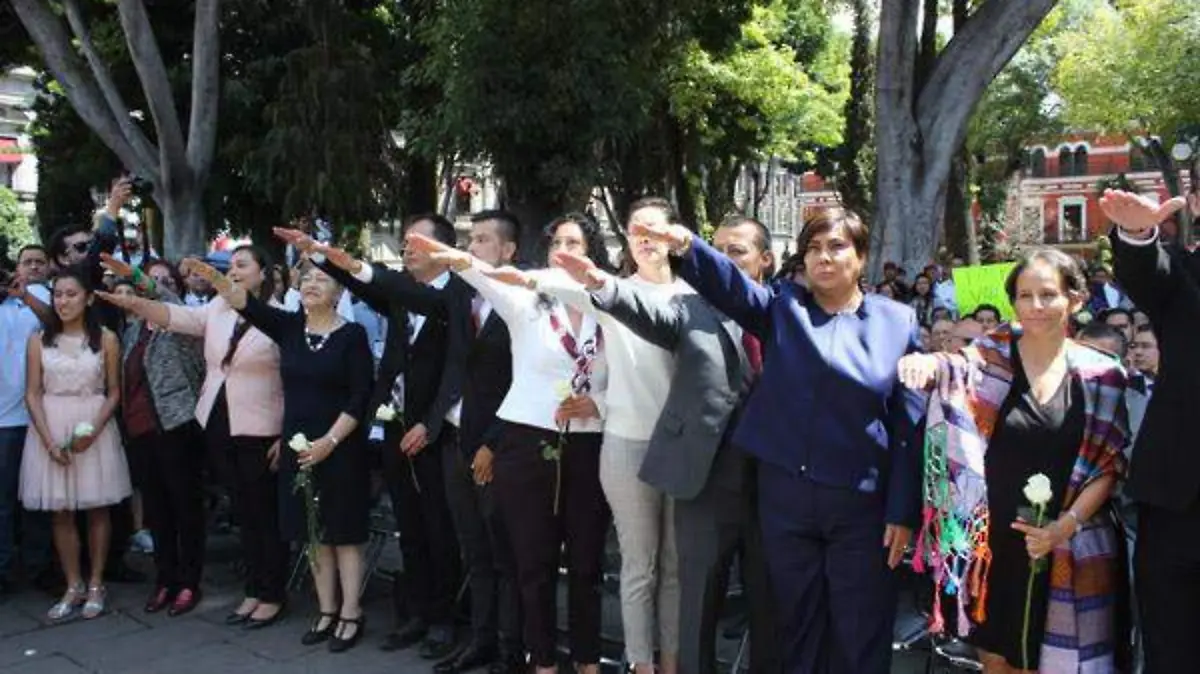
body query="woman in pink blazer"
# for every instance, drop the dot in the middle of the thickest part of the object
(241, 410)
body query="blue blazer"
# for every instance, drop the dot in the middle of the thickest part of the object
(829, 404)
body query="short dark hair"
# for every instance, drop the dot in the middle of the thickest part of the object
(1115, 311)
(826, 220)
(655, 202)
(443, 229)
(1070, 276)
(32, 246)
(762, 237)
(1145, 327)
(58, 244)
(509, 227)
(1097, 331)
(986, 307)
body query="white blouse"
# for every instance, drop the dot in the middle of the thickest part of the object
(541, 365)
(639, 372)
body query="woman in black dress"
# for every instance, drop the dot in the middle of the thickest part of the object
(326, 367)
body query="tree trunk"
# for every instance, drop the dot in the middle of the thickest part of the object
(958, 208)
(183, 223)
(421, 186)
(527, 200)
(1170, 175)
(921, 128)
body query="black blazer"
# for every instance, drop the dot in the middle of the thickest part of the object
(488, 378)
(1165, 283)
(433, 365)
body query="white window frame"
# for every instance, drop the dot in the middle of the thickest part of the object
(1063, 203)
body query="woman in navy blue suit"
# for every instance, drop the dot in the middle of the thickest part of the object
(834, 433)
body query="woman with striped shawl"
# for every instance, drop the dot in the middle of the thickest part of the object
(1022, 401)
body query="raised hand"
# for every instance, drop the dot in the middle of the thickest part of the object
(124, 302)
(510, 275)
(338, 258)
(303, 242)
(1135, 213)
(676, 237)
(117, 267)
(917, 371)
(581, 269)
(436, 251)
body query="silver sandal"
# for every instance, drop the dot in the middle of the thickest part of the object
(96, 599)
(72, 599)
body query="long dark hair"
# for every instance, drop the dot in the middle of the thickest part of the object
(91, 316)
(265, 292)
(597, 251)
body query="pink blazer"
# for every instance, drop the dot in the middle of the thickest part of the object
(253, 388)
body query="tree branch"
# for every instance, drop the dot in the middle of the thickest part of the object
(206, 66)
(54, 45)
(147, 59)
(137, 140)
(976, 54)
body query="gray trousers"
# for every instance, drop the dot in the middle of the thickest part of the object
(645, 523)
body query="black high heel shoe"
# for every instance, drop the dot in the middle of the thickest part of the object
(314, 635)
(253, 623)
(340, 644)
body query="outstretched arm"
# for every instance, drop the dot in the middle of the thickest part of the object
(654, 319)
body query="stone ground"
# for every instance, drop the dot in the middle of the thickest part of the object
(128, 641)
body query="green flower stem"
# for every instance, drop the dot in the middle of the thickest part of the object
(1034, 568)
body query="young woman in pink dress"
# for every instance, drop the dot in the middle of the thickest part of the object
(73, 460)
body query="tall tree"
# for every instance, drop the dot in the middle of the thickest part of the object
(923, 106)
(176, 161)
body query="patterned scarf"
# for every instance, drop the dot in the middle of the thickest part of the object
(953, 541)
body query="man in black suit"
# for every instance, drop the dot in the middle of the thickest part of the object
(495, 604)
(1165, 475)
(420, 375)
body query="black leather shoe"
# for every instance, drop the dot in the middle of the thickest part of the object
(339, 644)
(253, 623)
(408, 635)
(234, 618)
(438, 644)
(472, 657)
(316, 634)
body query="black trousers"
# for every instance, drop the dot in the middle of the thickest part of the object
(170, 466)
(525, 487)
(1167, 573)
(254, 490)
(487, 554)
(835, 597)
(710, 530)
(417, 486)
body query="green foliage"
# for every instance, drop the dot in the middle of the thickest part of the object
(15, 230)
(1131, 67)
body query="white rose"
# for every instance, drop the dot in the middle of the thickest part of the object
(83, 429)
(298, 442)
(563, 390)
(385, 413)
(1037, 490)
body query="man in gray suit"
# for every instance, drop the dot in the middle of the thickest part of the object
(690, 458)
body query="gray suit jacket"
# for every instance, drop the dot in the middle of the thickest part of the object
(174, 369)
(709, 382)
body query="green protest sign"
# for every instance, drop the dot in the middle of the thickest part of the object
(983, 284)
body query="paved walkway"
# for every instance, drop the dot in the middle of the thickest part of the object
(128, 641)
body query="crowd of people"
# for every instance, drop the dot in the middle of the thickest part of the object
(822, 431)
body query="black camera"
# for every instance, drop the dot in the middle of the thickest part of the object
(140, 187)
